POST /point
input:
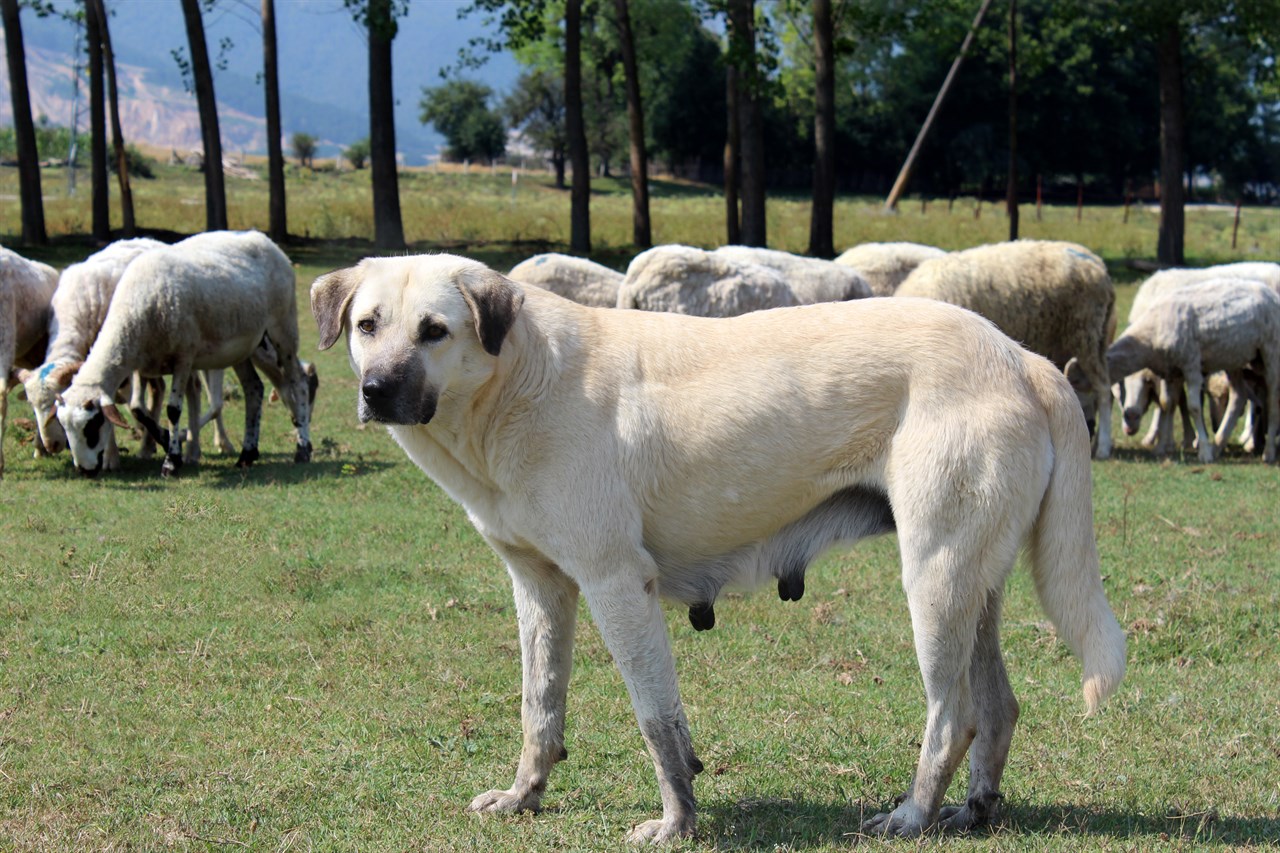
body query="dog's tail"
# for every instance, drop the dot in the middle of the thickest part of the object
(1063, 550)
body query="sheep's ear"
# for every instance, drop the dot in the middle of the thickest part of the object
(330, 298)
(113, 414)
(49, 421)
(22, 375)
(1075, 375)
(61, 376)
(495, 300)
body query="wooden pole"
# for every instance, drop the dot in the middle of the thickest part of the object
(1235, 229)
(900, 184)
(1011, 192)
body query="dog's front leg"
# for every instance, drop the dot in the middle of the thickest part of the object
(546, 607)
(627, 611)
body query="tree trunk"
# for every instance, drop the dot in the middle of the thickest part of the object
(101, 203)
(641, 234)
(751, 126)
(1169, 249)
(1011, 194)
(215, 191)
(128, 227)
(580, 194)
(278, 229)
(557, 163)
(822, 215)
(24, 130)
(388, 227)
(732, 157)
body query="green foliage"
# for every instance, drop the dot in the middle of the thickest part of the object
(304, 148)
(53, 142)
(139, 164)
(536, 107)
(459, 110)
(357, 153)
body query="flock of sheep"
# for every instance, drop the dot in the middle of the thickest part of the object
(140, 310)
(136, 312)
(1054, 298)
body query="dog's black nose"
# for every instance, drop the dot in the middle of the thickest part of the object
(377, 389)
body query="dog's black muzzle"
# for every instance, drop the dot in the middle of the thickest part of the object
(392, 399)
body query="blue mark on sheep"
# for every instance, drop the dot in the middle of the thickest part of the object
(45, 370)
(1080, 254)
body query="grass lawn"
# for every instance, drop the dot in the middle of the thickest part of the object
(324, 657)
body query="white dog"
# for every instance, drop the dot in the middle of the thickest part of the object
(630, 456)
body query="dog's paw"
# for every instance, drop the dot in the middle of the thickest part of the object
(660, 831)
(505, 802)
(977, 811)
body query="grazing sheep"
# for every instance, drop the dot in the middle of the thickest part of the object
(811, 279)
(1139, 392)
(684, 280)
(216, 300)
(79, 307)
(26, 287)
(887, 265)
(579, 279)
(1054, 298)
(1220, 324)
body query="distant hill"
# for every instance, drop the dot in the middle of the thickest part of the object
(323, 73)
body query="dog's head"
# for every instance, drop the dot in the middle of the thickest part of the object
(418, 328)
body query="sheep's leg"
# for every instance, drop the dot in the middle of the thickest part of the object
(1188, 426)
(297, 387)
(1271, 393)
(147, 416)
(252, 387)
(173, 411)
(213, 389)
(195, 420)
(1235, 403)
(1168, 392)
(4, 412)
(1195, 408)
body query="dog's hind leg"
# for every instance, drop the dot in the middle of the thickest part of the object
(944, 620)
(627, 611)
(997, 711)
(546, 608)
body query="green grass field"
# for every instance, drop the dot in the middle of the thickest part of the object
(324, 657)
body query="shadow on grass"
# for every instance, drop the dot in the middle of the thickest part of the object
(274, 469)
(795, 824)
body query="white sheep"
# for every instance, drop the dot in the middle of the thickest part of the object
(1220, 324)
(26, 288)
(79, 307)
(1054, 298)
(685, 280)
(579, 279)
(1137, 393)
(216, 300)
(887, 265)
(811, 279)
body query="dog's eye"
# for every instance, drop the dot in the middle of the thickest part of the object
(430, 331)
(366, 327)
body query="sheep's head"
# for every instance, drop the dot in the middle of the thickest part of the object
(87, 416)
(43, 385)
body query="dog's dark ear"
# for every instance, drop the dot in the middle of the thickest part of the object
(495, 301)
(330, 298)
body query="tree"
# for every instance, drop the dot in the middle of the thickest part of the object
(215, 192)
(99, 180)
(732, 159)
(641, 234)
(580, 194)
(278, 228)
(357, 153)
(536, 107)
(1011, 188)
(33, 231)
(822, 217)
(742, 53)
(379, 18)
(304, 148)
(128, 226)
(459, 109)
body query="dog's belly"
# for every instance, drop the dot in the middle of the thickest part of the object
(783, 553)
